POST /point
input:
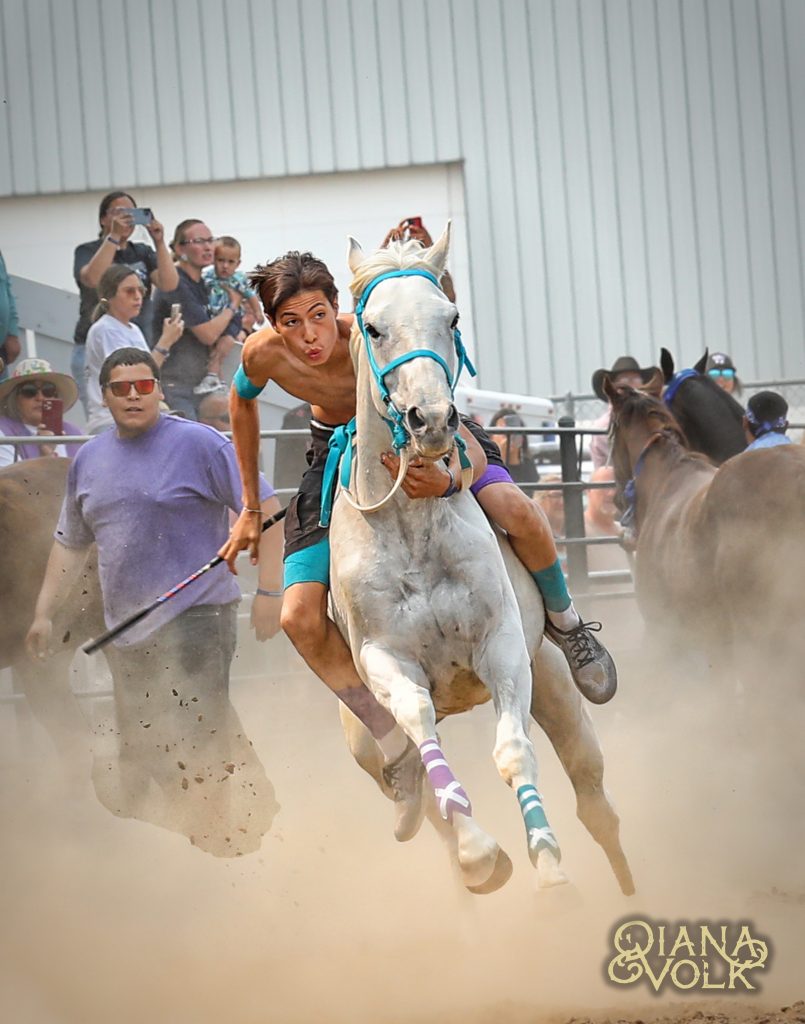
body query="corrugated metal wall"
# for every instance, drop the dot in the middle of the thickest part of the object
(633, 168)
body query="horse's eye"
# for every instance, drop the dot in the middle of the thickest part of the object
(454, 324)
(372, 331)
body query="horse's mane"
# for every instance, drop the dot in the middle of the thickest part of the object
(638, 405)
(396, 256)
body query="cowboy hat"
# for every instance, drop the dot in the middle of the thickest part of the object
(623, 364)
(39, 369)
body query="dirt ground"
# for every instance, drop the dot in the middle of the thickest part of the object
(109, 919)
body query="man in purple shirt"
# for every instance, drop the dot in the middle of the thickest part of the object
(154, 495)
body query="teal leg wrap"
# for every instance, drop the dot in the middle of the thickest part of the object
(310, 565)
(552, 586)
(539, 832)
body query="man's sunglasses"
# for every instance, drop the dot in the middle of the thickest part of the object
(122, 388)
(30, 390)
(715, 372)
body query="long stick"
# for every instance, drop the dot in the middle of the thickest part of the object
(95, 645)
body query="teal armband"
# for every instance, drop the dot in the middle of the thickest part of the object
(243, 385)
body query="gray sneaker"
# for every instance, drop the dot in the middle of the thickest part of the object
(404, 779)
(591, 664)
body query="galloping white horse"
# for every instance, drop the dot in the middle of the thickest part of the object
(424, 591)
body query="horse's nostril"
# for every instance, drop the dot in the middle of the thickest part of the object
(416, 421)
(452, 419)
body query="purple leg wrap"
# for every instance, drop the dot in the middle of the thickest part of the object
(492, 475)
(362, 703)
(449, 793)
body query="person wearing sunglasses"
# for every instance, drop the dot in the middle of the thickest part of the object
(721, 369)
(23, 405)
(155, 496)
(188, 362)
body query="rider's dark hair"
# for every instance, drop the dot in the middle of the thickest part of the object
(127, 357)
(286, 276)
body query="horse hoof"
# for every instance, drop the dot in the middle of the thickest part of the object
(549, 873)
(501, 873)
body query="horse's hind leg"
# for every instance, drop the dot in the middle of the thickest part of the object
(558, 708)
(401, 686)
(507, 675)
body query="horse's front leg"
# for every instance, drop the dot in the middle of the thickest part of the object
(506, 671)
(401, 686)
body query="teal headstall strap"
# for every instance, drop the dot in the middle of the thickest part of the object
(399, 432)
(340, 452)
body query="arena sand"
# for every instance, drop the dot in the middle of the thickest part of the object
(113, 921)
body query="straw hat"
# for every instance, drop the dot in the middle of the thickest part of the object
(39, 369)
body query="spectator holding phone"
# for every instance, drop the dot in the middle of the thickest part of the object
(190, 357)
(31, 404)
(118, 215)
(121, 299)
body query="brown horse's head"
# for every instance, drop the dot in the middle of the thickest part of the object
(638, 416)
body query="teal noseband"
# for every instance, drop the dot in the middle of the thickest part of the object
(399, 432)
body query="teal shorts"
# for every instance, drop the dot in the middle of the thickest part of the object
(309, 565)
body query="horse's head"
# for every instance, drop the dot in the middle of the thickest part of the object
(709, 416)
(406, 330)
(638, 417)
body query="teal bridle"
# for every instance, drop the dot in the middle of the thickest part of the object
(399, 432)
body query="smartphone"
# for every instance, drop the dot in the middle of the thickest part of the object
(176, 311)
(414, 222)
(141, 215)
(53, 415)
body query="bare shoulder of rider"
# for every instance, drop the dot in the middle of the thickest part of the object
(259, 353)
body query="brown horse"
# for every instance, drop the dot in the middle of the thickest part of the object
(720, 552)
(31, 494)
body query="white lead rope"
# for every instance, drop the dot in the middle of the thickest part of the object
(404, 457)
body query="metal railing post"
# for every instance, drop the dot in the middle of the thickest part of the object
(573, 499)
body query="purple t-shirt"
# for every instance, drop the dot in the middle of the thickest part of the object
(157, 507)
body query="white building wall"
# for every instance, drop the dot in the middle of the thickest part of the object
(633, 168)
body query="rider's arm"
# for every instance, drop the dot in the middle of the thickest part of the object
(244, 414)
(63, 569)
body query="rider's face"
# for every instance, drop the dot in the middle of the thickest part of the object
(307, 324)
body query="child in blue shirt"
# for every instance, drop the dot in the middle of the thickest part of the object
(223, 275)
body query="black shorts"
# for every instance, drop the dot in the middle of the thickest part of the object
(302, 528)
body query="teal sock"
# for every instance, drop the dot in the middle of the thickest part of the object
(552, 586)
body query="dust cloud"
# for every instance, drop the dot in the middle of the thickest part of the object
(110, 919)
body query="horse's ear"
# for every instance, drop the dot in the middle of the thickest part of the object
(437, 254)
(614, 395)
(654, 384)
(355, 255)
(699, 367)
(667, 364)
